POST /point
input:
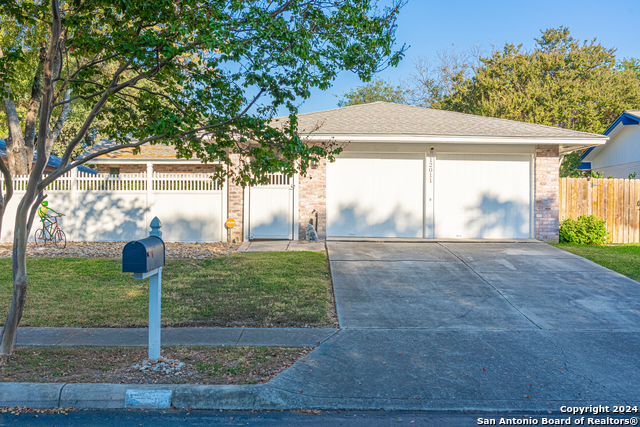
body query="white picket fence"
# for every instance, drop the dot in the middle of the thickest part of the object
(120, 207)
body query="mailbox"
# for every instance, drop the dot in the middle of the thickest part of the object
(143, 256)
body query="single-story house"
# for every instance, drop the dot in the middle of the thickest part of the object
(405, 172)
(620, 156)
(52, 164)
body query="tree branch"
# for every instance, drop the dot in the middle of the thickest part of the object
(92, 115)
(55, 132)
(34, 105)
(175, 104)
(47, 98)
(63, 168)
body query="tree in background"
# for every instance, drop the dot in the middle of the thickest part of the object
(431, 82)
(375, 90)
(570, 164)
(207, 76)
(630, 64)
(562, 82)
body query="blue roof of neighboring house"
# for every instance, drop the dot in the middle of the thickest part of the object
(53, 163)
(628, 117)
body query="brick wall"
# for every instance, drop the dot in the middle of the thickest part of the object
(547, 193)
(166, 168)
(312, 194)
(123, 168)
(235, 206)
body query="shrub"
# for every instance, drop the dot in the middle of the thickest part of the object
(586, 230)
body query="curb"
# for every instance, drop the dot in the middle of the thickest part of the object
(236, 397)
(142, 396)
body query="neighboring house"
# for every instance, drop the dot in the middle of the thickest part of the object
(52, 164)
(405, 172)
(620, 156)
(163, 158)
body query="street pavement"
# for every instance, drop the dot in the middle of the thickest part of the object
(269, 418)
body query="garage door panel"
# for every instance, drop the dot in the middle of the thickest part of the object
(482, 196)
(375, 196)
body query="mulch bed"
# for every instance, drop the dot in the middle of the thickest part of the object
(128, 365)
(114, 250)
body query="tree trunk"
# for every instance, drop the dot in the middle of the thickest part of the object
(16, 155)
(27, 207)
(19, 256)
(4, 199)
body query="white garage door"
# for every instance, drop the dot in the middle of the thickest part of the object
(482, 196)
(375, 196)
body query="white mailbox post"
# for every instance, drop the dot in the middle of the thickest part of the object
(145, 259)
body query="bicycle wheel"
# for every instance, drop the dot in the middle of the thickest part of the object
(59, 239)
(39, 238)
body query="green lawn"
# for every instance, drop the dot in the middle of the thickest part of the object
(273, 289)
(625, 259)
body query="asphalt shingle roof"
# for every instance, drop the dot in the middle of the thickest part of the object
(386, 118)
(147, 151)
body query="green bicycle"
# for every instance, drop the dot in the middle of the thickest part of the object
(50, 231)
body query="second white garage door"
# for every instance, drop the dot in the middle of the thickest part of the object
(482, 196)
(375, 196)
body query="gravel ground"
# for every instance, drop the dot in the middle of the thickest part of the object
(114, 250)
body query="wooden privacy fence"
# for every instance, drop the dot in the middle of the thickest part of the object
(614, 200)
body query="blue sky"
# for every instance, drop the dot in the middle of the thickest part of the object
(428, 26)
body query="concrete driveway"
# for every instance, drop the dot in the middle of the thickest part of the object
(471, 326)
(477, 286)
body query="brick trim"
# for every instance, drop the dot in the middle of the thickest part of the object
(547, 187)
(312, 195)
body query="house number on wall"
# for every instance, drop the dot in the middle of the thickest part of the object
(430, 170)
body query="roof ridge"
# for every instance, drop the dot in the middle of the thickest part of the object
(510, 120)
(339, 108)
(450, 112)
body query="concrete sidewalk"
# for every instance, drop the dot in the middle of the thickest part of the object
(281, 246)
(138, 337)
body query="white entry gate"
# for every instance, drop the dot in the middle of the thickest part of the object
(271, 209)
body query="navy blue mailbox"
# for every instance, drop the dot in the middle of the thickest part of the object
(145, 259)
(143, 256)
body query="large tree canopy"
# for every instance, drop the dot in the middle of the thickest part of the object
(205, 75)
(160, 69)
(561, 82)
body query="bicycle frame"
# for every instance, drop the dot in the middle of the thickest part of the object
(51, 228)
